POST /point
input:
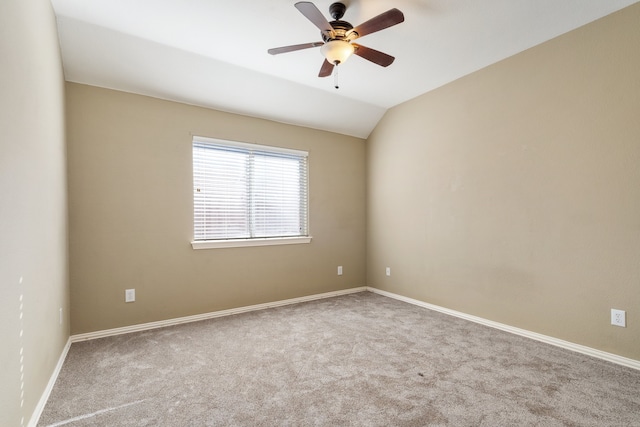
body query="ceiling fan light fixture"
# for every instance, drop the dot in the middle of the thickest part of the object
(337, 51)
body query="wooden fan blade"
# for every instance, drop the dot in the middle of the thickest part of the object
(285, 49)
(326, 69)
(311, 12)
(373, 55)
(384, 20)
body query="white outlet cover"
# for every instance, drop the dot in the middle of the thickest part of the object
(339, 270)
(129, 295)
(388, 271)
(618, 317)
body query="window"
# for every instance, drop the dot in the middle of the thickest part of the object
(248, 195)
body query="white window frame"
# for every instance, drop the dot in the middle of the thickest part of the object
(254, 241)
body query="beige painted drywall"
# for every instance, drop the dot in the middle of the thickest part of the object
(513, 193)
(33, 207)
(131, 213)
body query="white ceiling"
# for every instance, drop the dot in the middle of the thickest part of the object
(213, 53)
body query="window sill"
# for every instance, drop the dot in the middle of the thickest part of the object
(239, 243)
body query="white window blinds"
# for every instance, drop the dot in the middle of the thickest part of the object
(245, 191)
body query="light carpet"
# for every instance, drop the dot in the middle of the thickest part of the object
(354, 360)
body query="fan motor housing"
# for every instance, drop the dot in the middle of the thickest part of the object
(341, 31)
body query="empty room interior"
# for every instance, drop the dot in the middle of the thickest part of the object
(467, 250)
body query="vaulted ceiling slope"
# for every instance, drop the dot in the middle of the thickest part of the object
(213, 53)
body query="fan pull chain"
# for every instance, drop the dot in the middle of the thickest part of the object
(335, 77)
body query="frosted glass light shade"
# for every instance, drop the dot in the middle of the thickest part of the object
(337, 51)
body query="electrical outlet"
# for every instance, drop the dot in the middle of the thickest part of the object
(388, 271)
(60, 317)
(339, 270)
(618, 318)
(129, 295)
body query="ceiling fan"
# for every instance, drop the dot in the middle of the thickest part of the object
(338, 36)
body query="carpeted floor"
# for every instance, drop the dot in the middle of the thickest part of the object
(355, 360)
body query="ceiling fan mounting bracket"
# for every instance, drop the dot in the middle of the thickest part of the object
(337, 10)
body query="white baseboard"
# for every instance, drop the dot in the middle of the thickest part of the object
(211, 315)
(609, 357)
(37, 412)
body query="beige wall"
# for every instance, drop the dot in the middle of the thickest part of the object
(33, 207)
(131, 213)
(514, 193)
